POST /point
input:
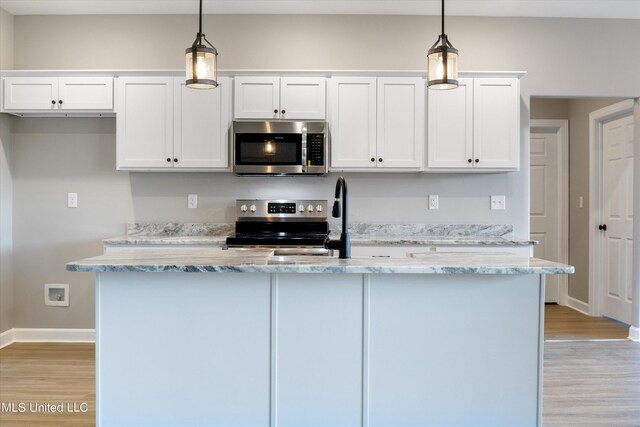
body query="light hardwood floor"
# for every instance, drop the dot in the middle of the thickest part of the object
(585, 383)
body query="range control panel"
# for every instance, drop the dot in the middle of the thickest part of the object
(246, 209)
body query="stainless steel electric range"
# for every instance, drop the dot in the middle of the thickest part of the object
(290, 227)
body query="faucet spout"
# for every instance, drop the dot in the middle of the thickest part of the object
(343, 245)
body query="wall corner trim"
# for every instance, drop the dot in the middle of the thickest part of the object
(634, 334)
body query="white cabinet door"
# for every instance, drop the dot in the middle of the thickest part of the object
(450, 127)
(400, 131)
(85, 93)
(30, 93)
(144, 128)
(353, 122)
(496, 121)
(256, 97)
(303, 98)
(201, 126)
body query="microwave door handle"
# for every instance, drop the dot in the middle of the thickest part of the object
(304, 150)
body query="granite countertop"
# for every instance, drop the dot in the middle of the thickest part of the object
(361, 234)
(231, 261)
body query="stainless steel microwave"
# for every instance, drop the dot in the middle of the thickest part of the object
(279, 148)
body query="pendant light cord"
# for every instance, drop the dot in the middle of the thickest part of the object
(200, 22)
(442, 17)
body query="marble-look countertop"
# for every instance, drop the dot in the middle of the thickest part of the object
(361, 234)
(222, 261)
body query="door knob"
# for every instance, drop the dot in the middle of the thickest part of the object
(602, 227)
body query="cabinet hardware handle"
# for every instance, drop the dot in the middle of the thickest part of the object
(380, 159)
(602, 227)
(469, 160)
(53, 101)
(275, 111)
(168, 160)
(373, 159)
(60, 101)
(175, 160)
(477, 160)
(283, 111)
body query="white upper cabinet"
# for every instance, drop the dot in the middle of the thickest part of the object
(295, 98)
(144, 125)
(352, 122)
(496, 130)
(163, 125)
(377, 123)
(451, 122)
(58, 93)
(400, 133)
(201, 131)
(475, 127)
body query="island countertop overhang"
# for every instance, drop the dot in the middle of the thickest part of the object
(196, 260)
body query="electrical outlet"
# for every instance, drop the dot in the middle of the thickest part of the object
(433, 201)
(498, 203)
(72, 200)
(192, 201)
(581, 202)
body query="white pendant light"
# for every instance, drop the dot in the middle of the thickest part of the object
(442, 62)
(202, 62)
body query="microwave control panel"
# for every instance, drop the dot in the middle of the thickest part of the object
(315, 144)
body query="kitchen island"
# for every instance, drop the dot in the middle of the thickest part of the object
(221, 338)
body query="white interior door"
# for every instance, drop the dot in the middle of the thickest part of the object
(617, 215)
(546, 207)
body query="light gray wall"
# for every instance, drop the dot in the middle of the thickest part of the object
(6, 40)
(579, 167)
(54, 156)
(6, 226)
(577, 112)
(549, 109)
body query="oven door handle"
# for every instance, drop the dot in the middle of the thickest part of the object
(304, 149)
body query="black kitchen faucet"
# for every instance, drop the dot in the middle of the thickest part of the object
(343, 245)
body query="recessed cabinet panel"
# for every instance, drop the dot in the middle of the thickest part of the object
(302, 98)
(353, 122)
(256, 97)
(475, 127)
(450, 127)
(144, 127)
(201, 138)
(86, 93)
(400, 121)
(294, 98)
(58, 93)
(30, 93)
(496, 122)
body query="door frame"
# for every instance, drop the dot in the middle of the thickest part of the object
(596, 122)
(561, 128)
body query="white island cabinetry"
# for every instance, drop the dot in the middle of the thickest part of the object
(261, 340)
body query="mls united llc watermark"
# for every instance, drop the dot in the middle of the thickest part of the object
(48, 408)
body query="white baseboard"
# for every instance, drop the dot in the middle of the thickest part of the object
(46, 335)
(634, 334)
(578, 305)
(6, 338)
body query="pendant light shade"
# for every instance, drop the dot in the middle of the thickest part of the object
(201, 62)
(442, 62)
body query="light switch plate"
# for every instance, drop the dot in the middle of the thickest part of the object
(498, 203)
(72, 200)
(192, 201)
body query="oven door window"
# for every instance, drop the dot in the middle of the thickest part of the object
(268, 149)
